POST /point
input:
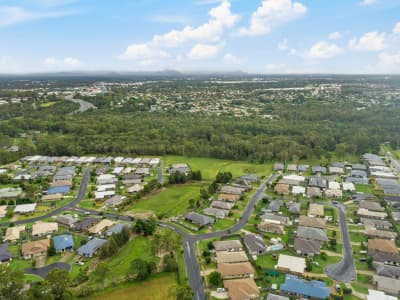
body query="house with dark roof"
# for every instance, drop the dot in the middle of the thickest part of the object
(216, 212)
(310, 233)
(294, 208)
(198, 219)
(298, 287)
(63, 243)
(307, 247)
(275, 205)
(250, 178)
(318, 170)
(384, 251)
(85, 224)
(91, 247)
(5, 255)
(228, 245)
(382, 269)
(271, 228)
(255, 244)
(302, 168)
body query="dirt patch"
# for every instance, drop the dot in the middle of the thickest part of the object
(141, 215)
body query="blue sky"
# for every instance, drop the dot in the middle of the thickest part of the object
(265, 36)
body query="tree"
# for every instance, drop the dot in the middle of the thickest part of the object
(51, 251)
(181, 292)
(170, 264)
(11, 283)
(309, 265)
(215, 279)
(40, 290)
(140, 269)
(58, 280)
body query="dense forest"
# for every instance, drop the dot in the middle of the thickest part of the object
(310, 130)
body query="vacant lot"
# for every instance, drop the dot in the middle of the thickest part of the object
(209, 167)
(156, 288)
(171, 201)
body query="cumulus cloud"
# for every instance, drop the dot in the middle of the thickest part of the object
(323, 50)
(67, 62)
(143, 52)
(335, 35)
(389, 62)
(396, 29)
(233, 59)
(203, 51)
(371, 41)
(271, 14)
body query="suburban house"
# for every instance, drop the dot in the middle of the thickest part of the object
(198, 219)
(276, 297)
(116, 228)
(371, 205)
(312, 222)
(25, 208)
(181, 168)
(383, 234)
(13, 233)
(5, 255)
(307, 247)
(386, 284)
(216, 212)
(362, 212)
(3, 211)
(275, 205)
(227, 189)
(294, 207)
(279, 166)
(221, 205)
(35, 248)
(106, 179)
(379, 295)
(299, 190)
(333, 193)
(250, 178)
(314, 192)
(44, 228)
(85, 224)
(63, 243)
(316, 210)
(101, 226)
(228, 197)
(348, 186)
(282, 189)
(298, 287)
(291, 168)
(91, 247)
(384, 251)
(291, 264)
(255, 244)
(318, 170)
(318, 181)
(302, 168)
(276, 219)
(115, 201)
(310, 233)
(271, 228)
(228, 245)
(231, 257)
(336, 170)
(382, 269)
(66, 220)
(239, 270)
(135, 188)
(102, 195)
(239, 289)
(378, 224)
(52, 197)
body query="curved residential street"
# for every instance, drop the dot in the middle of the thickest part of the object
(345, 270)
(84, 105)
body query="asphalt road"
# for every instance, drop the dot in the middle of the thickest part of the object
(84, 105)
(189, 241)
(42, 272)
(160, 176)
(344, 271)
(69, 206)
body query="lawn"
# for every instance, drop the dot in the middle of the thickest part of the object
(171, 201)
(119, 264)
(364, 188)
(155, 288)
(209, 167)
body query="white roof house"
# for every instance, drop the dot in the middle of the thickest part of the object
(333, 185)
(25, 208)
(118, 159)
(298, 190)
(378, 295)
(44, 228)
(106, 179)
(3, 211)
(13, 233)
(105, 187)
(104, 194)
(348, 186)
(291, 264)
(118, 170)
(333, 193)
(154, 161)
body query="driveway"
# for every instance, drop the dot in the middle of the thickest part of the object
(42, 272)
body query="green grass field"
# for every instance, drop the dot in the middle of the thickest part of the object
(172, 201)
(119, 264)
(156, 288)
(209, 167)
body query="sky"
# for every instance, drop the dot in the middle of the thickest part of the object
(256, 36)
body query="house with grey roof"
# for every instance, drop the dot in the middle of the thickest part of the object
(275, 205)
(5, 255)
(198, 219)
(91, 247)
(294, 208)
(221, 205)
(318, 170)
(250, 178)
(310, 233)
(307, 247)
(116, 228)
(216, 212)
(228, 245)
(255, 244)
(302, 168)
(317, 181)
(279, 166)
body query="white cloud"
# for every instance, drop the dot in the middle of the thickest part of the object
(50, 61)
(396, 29)
(142, 52)
(389, 63)
(71, 61)
(203, 51)
(371, 41)
(335, 35)
(368, 2)
(10, 15)
(232, 59)
(221, 18)
(271, 14)
(323, 50)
